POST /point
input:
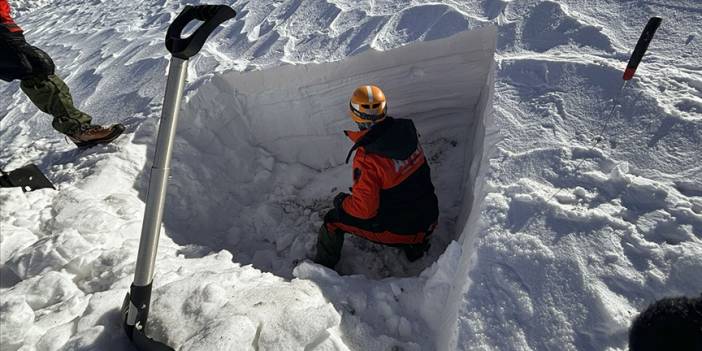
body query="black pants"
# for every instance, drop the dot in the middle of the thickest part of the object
(330, 243)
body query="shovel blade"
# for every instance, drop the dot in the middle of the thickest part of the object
(29, 178)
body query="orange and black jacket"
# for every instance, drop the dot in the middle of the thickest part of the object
(392, 190)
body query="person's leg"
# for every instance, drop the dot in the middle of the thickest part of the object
(329, 246)
(51, 95)
(329, 242)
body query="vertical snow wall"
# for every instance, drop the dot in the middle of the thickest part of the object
(258, 151)
(484, 136)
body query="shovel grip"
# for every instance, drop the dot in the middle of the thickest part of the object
(211, 15)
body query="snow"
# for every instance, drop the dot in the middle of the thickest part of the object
(544, 242)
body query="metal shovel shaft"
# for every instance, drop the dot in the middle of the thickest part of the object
(158, 180)
(135, 308)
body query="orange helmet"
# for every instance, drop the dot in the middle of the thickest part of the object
(367, 104)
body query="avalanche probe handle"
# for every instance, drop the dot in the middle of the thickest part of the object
(641, 47)
(211, 15)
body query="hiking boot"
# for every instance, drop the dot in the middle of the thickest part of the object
(92, 135)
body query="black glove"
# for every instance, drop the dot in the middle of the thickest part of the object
(339, 199)
(13, 64)
(19, 60)
(42, 64)
(337, 214)
(332, 216)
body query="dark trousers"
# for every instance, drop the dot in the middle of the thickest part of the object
(330, 241)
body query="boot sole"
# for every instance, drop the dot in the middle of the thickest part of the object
(117, 130)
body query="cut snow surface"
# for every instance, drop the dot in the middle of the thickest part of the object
(544, 242)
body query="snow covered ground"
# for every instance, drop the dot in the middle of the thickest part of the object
(551, 255)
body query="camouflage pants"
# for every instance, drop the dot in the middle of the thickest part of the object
(51, 95)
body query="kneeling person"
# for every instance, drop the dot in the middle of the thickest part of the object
(392, 200)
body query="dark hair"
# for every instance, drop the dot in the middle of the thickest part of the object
(673, 323)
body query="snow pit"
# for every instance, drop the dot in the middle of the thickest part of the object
(260, 155)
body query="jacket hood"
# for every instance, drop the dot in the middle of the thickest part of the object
(392, 138)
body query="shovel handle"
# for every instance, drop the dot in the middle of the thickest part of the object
(211, 15)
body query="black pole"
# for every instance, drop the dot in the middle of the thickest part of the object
(641, 47)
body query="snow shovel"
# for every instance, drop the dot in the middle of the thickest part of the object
(135, 309)
(29, 178)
